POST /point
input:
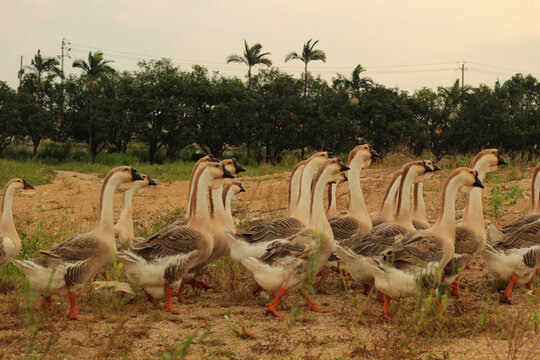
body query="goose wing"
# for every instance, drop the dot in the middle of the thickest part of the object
(273, 229)
(519, 222)
(419, 249)
(526, 236)
(297, 247)
(76, 248)
(170, 241)
(379, 240)
(467, 242)
(343, 227)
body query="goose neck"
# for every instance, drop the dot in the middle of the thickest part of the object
(294, 189)
(228, 210)
(419, 207)
(200, 216)
(218, 215)
(357, 204)
(387, 207)
(446, 223)
(302, 208)
(126, 215)
(105, 225)
(318, 220)
(535, 193)
(6, 221)
(403, 213)
(474, 211)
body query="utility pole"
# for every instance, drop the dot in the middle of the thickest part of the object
(65, 52)
(462, 75)
(20, 72)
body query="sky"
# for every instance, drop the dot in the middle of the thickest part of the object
(405, 44)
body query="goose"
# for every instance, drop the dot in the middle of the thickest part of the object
(204, 159)
(284, 265)
(534, 213)
(413, 263)
(357, 220)
(386, 212)
(514, 255)
(294, 186)
(67, 266)
(384, 236)
(230, 189)
(123, 230)
(10, 243)
(419, 217)
(470, 231)
(254, 242)
(331, 210)
(159, 264)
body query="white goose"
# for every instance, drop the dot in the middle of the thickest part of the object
(515, 255)
(413, 264)
(284, 265)
(66, 267)
(10, 243)
(124, 232)
(160, 263)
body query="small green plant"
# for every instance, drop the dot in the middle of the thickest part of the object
(499, 198)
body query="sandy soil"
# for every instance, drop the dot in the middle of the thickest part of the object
(227, 322)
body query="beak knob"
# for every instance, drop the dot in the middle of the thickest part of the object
(135, 175)
(226, 173)
(239, 168)
(27, 185)
(477, 182)
(501, 161)
(151, 181)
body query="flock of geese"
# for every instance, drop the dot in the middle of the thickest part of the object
(398, 251)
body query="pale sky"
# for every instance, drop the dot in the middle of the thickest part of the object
(495, 38)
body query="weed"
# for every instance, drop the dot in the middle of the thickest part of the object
(498, 197)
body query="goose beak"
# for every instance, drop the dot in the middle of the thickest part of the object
(239, 168)
(330, 154)
(501, 161)
(435, 167)
(135, 175)
(427, 168)
(477, 182)
(226, 173)
(374, 154)
(27, 185)
(242, 188)
(212, 158)
(344, 167)
(151, 181)
(345, 178)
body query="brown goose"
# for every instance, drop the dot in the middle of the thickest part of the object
(470, 232)
(357, 220)
(10, 243)
(66, 267)
(160, 263)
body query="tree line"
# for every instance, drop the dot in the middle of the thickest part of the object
(167, 108)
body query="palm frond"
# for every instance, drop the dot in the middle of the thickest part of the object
(236, 59)
(293, 56)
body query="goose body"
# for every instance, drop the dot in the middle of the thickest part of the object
(67, 266)
(10, 243)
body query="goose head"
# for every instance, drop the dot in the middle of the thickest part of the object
(217, 172)
(232, 166)
(362, 155)
(124, 174)
(316, 161)
(146, 181)
(419, 168)
(467, 177)
(18, 185)
(487, 161)
(433, 166)
(332, 171)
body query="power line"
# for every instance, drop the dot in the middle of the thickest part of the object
(504, 68)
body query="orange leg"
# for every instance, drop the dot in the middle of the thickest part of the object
(199, 284)
(313, 307)
(505, 297)
(180, 293)
(271, 307)
(73, 313)
(168, 301)
(47, 303)
(438, 305)
(455, 286)
(386, 308)
(319, 285)
(150, 298)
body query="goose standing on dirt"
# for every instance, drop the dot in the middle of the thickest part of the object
(413, 264)
(253, 243)
(124, 232)
(67, 266)
(514, 256)
(470, 231)
(159, 264)
(284, 265)
(10, 243)
(357, 220)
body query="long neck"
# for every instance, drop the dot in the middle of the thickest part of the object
(219, 216)
(125, 219)
(6, 222)
(105, 223)
(474, 212)
(357, 205)
(228, 211)
(200, 216)
(302, 208)
(331, 210)
(446, 223)
(535, 194)
(403, 213)
(419, 207)
(294, 190)
(192, 178)
(317, 214)
(387, 207)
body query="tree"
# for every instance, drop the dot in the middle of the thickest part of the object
(252, 56)
(93, 70)
(355, 84)
(308, 54)
(9, 116)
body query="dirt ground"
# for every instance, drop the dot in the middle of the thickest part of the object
(227, 322)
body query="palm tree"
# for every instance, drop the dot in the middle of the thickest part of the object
(308, 54)
(252, 56)
(93, 69)
(453, 97)
(355, 84)
(41, 66)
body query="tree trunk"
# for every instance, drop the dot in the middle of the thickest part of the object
(152, 149)
(35, 142)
